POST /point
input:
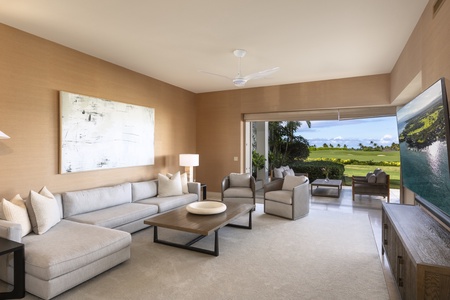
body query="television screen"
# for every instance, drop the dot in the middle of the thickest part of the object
(423, 126)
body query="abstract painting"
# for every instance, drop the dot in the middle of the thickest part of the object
(102, 134)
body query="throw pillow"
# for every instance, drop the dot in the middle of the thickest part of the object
(372, 178)
(289, 172)
(291, 182)
(239, 180)
(382, 177)
(278, 172)
(285, 168)
(16, 211)
(43, 210)
(169, 186)
(377, 170)
(184, 183)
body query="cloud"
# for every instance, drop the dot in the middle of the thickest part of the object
(387, 139)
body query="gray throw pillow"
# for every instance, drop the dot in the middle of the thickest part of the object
(372, 178)
(381, 177)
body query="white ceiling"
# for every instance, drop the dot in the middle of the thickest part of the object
(172, 40)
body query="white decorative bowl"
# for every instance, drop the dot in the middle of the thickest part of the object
(206, 207)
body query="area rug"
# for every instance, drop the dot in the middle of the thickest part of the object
(325, 255)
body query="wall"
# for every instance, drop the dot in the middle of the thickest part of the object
(33, 71)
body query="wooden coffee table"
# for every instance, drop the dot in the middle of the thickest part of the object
(204, 225)
(327, 189)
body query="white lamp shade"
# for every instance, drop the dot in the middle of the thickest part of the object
(4, 136)
(189, 160)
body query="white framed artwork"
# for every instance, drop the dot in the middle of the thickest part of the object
(98, 134)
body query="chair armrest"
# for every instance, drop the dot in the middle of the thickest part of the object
(194, 188)
(11, 231)
(359, 178)
(300, 190)
(253, 186)
(273, 185)
(225, 184)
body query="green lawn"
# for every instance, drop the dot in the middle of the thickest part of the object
(362, 170)
(356, 154)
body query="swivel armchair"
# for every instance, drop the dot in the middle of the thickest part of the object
(288, 197)
(239, 188)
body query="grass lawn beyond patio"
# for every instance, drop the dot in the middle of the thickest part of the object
(362, 170)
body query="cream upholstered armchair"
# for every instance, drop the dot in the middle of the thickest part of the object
(288, 198)
(239, 188)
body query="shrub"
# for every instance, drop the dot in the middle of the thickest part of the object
(314, 169)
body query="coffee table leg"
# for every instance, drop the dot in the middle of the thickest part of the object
(155, 233)
(216, 242)
(249, 226)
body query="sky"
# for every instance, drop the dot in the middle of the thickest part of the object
(382, 131)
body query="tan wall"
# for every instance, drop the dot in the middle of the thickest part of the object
(33, 70)
(427, 51)
(220, 114)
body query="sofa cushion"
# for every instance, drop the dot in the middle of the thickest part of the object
(281, 196)
(43, 210)
(16, 211)
(169, 186)
(144, 189)
(238, 192)
(290, 182)
(116, 216)
(168, 203)
(239, 180)
(69, 246)
(79, 202)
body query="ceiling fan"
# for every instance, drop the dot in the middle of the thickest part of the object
(241, 80)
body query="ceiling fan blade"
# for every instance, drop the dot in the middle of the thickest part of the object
(261, 74)
(215, 74)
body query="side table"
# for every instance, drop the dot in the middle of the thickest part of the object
(6, 247)
(203, 187)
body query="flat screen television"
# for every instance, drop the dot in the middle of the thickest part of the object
(423, 128)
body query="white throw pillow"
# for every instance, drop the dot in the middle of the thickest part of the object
(291, 182)
(184, 183)
(169, 186)
(278, 172)
(288, 172)
(16, 211)
(43, 210)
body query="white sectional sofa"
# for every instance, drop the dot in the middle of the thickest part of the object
(92, 236)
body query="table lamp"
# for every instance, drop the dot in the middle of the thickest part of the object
(189, 161)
